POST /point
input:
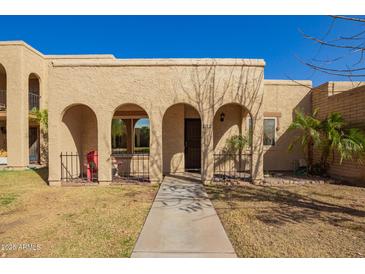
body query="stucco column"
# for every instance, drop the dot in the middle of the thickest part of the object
(155, 161)
(207, 156)
(17, 118)
(133, 135)
(207, 146)
(104, 148)
(257, 165)
(54, 159)
(128, 125)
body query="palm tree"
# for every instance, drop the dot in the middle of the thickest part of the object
(118, 129)
(309, 127)
(348, 142)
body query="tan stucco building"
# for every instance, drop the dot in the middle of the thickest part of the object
(193, 106)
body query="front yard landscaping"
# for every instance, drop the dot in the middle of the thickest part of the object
(69, 221)
(314, 220)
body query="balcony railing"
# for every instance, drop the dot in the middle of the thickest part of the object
(33, 100)
(2, 99)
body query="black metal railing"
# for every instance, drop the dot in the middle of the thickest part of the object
(33, 100)
(232, 166)
(131, 167)
(78, 169)
(2, 99)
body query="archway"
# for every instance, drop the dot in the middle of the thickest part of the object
(130, 136)
(3, 141)
(79, 144)
(34, 126)
(181, 139)
(232, 142)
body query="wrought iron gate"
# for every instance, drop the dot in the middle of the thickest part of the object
(232, 166)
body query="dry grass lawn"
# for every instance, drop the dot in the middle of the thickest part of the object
(70, 221)
(293, 221)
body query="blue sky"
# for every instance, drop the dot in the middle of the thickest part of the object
(142, 123)
(274, 38)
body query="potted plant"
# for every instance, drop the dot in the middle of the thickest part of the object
(3, 157)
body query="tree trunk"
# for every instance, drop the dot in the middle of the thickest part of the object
(310, 155)
(324, 158)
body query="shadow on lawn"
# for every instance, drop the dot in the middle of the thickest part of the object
(42, 173)
(287, 207)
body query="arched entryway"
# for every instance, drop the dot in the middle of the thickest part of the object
(34, 126)
(130, 138)
(232, 142)
(3, 141)
(181, 139)
(79, 159)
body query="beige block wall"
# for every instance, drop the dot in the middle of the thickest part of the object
(283, 97)
(333, 97)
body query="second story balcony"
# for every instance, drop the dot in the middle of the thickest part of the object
(33, 100)
(32, 97)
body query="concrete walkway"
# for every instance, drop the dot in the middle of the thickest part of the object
(183, 223)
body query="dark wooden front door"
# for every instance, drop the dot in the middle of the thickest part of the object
(192, 144)
(34, 145)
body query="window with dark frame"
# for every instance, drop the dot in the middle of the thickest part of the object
(269, 131)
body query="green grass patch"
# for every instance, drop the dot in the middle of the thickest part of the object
(7, 199)
(70, 221)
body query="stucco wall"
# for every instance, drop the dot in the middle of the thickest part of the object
(173, 139)
(173, 132)
(234, 124)
(79, 130)
(154, 86)
(281, 99)
(103, 83)
(19, 60)
(336, 97)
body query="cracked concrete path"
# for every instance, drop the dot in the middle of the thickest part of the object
(182, 223)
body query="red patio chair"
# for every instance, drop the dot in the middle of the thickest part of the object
(92, 165)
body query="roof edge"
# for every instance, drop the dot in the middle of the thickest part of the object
(58, 56)
(21, 43)
(278, 82)
(80, 56)
(164, 62)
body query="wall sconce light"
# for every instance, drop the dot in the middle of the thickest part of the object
(222, 116)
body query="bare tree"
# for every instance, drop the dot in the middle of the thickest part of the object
(346, 49)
